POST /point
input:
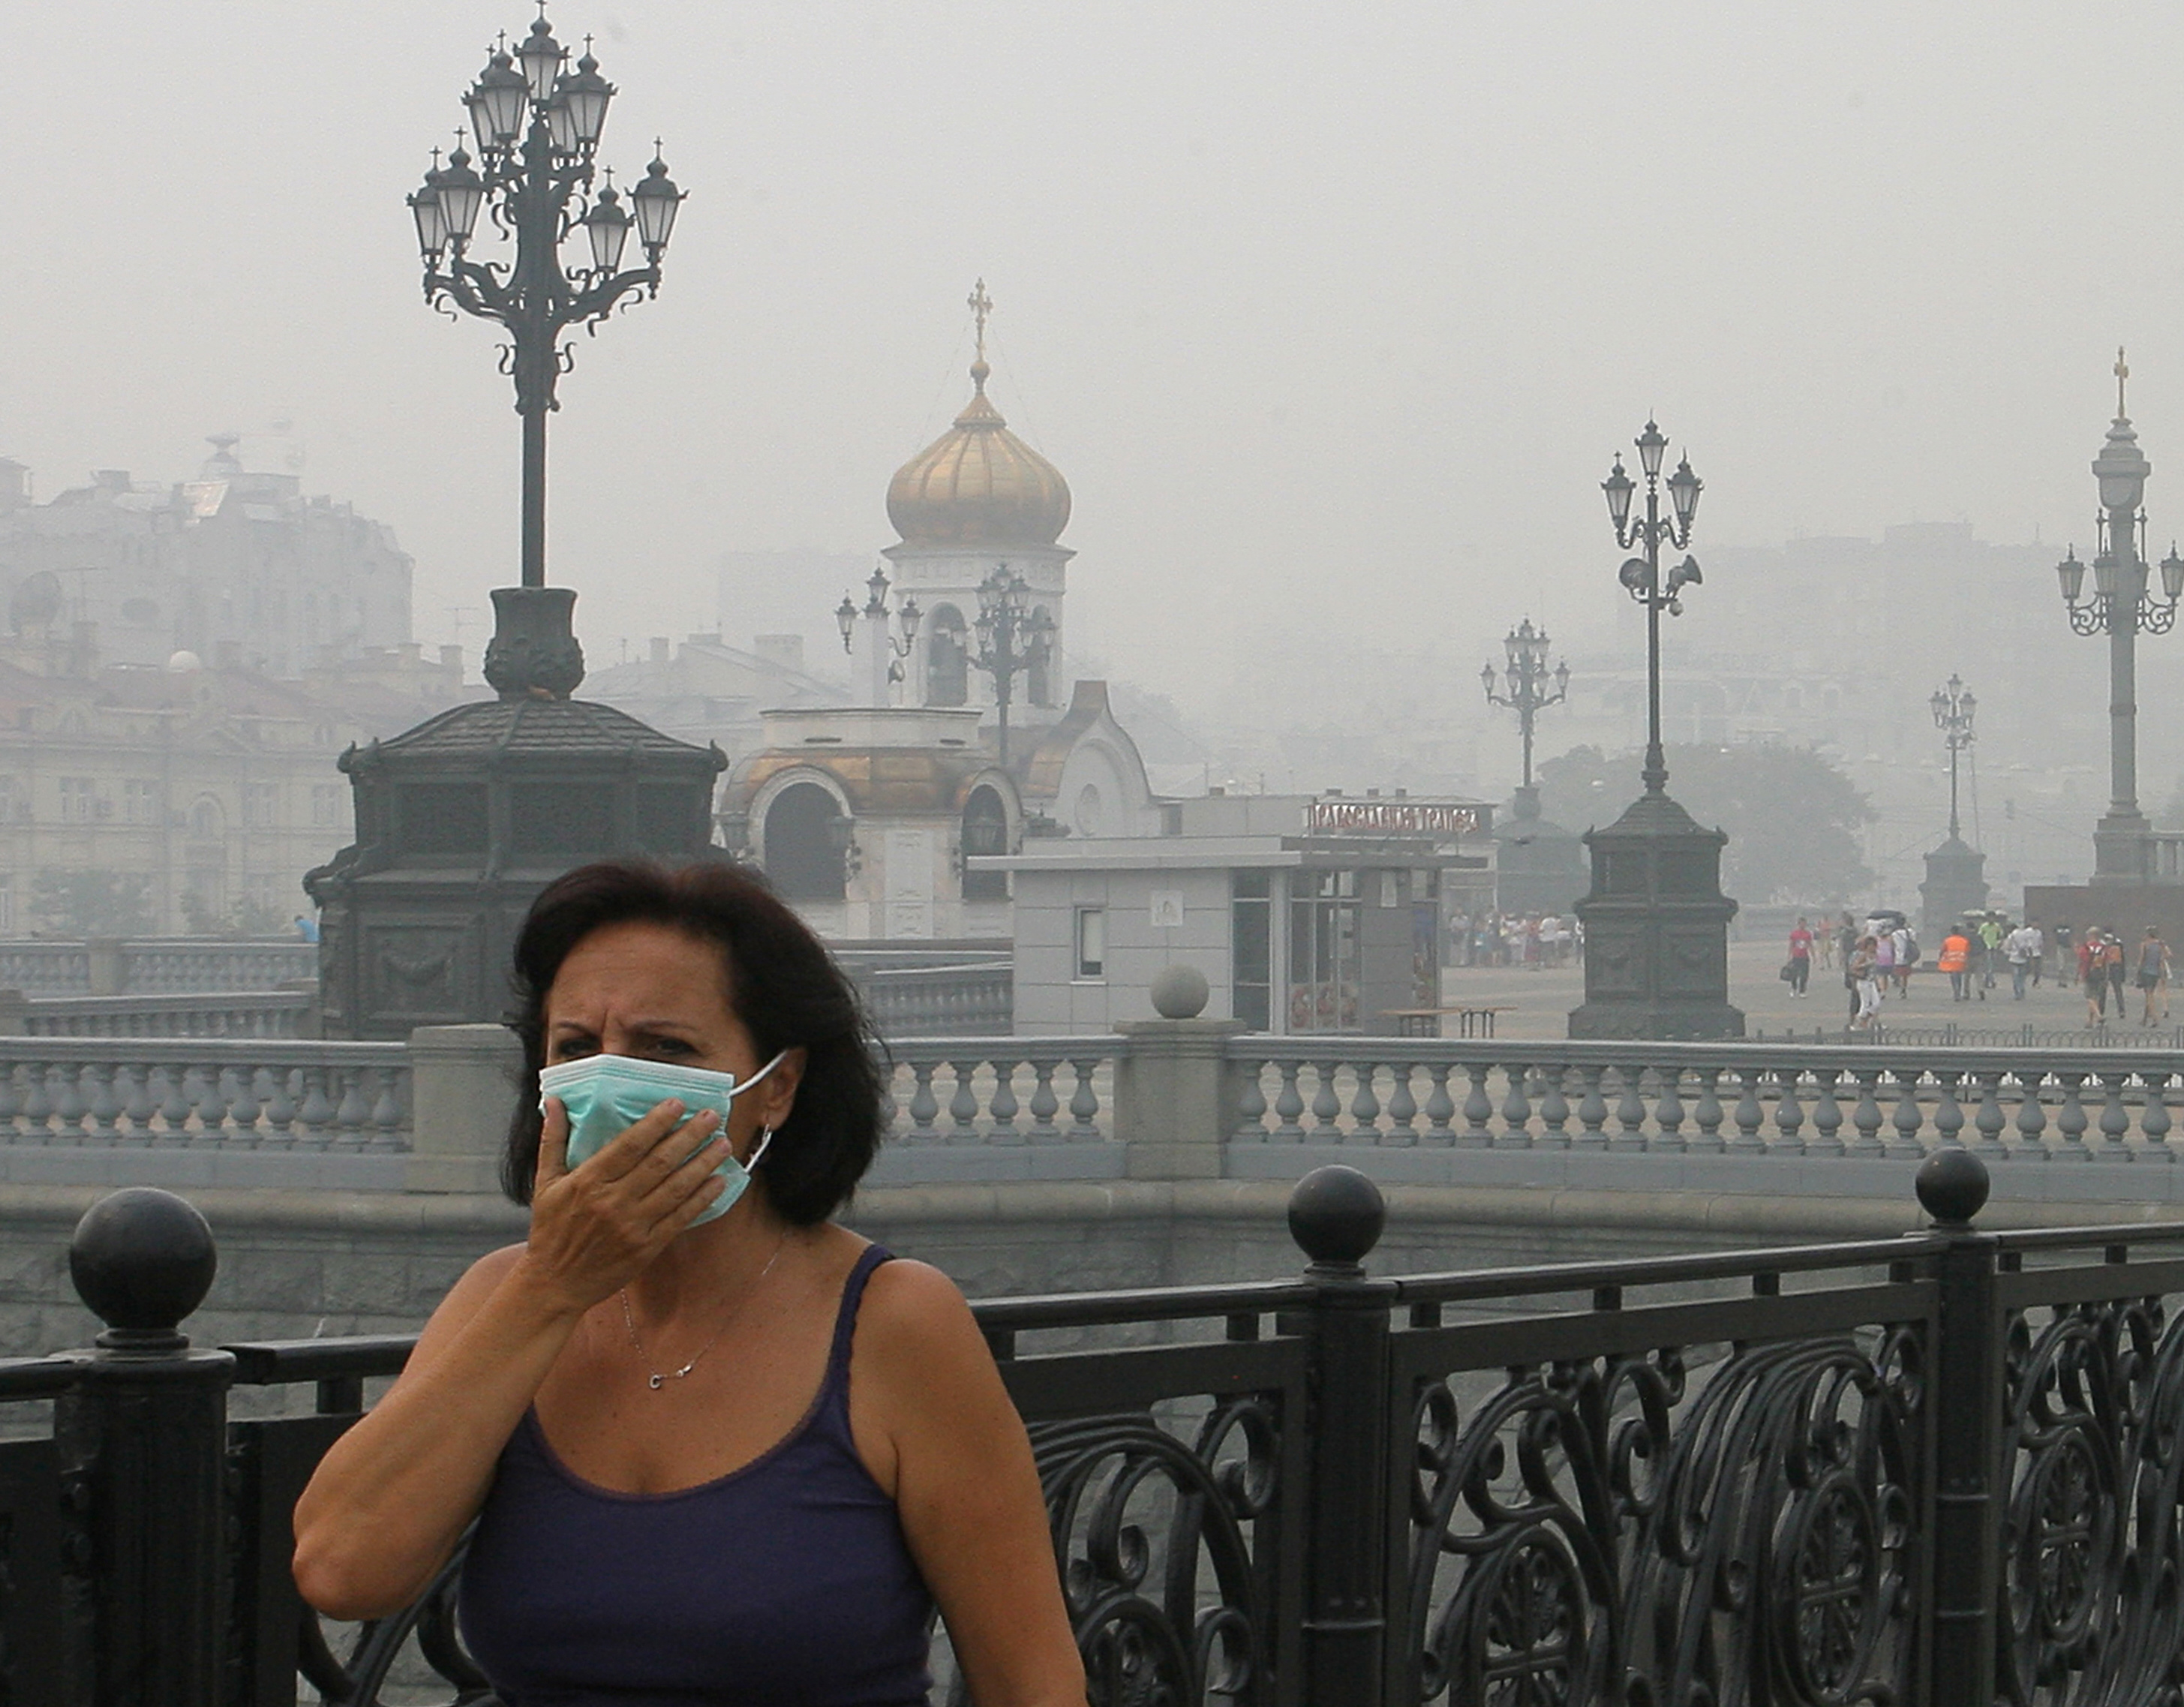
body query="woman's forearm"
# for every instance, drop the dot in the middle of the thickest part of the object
(393, 1496)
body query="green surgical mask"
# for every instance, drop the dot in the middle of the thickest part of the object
(606, 1094)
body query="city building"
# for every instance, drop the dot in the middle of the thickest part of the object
(184, 797)
(1307, 914)
(230, 560)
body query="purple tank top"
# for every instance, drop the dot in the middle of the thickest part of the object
(787, 1581)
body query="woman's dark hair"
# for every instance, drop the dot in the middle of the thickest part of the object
(780, 982)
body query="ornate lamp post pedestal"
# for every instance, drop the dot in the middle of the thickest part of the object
(1538, 867)
(1656, 921)
(461, 821)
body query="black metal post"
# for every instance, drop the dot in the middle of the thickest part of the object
(1965, 1439)
(1655, 775)
(142, 1446)
(1335, 1216)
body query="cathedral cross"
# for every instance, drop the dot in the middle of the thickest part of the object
(981, 305)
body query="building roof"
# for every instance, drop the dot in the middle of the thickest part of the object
(527, 727)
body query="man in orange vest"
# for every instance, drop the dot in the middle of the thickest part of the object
(1956, 961)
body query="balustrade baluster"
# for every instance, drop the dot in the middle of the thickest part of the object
(1440, 1107)
(105, 1106)
(1750, 1115)
(315, 1120)
(354, 1110)
(1554, 1108)
(1478, 1111)
(1084, 1100)
(244, 1107)
(385, 1112)
(1989, 1120)
(68, 1103)
(279, 1109)
(1827, 1115)
(137, 1102)
(1910, 1119)
(11, 1101)
(1402, 1108)
(1516, 1132)
(1591, 1109)
(1289, 1106)
(37, 1101)
(1629, 1109)
(1326, 1106)
(963, 1106)
(2070, 1121)
(1003, 1106)
(212, 1108)
(1045, 1105)
(2115, 1118)
(173, 1098)
(924, 1104)
(2154, 1118)
(1707, 1114)
(1789, 1113)
(1364, 1104)
(1867, 1115)
(1949, 1115)
(2031, 1118)
(1668, 1110)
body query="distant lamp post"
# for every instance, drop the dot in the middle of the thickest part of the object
(1956, 873)
(2121, 607)
(1015, 637)
(886, 649)
(1527, 678)
(536, 126)
(1953, 706)
(1656, 921)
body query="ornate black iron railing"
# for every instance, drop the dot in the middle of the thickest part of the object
(1944, 1469)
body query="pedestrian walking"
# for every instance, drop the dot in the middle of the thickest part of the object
(2022, 949)
(1801, 957)
(2153, 976)
(1906, 948)
(2119, 974)
(1991, 934)
(1864, 973)
(1884, 959)
(1956, 961)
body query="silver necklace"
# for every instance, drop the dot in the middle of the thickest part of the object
(656, 1378)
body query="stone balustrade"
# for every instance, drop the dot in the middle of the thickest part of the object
(175, 1095)
(2016, 1107)
(153, 966)
(245, 1013)
(973, 999)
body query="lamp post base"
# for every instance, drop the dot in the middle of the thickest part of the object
(534, 654)
(2123, 849)
(1956, 884)
(1656, 929)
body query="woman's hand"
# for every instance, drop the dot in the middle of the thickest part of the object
(595, 1228)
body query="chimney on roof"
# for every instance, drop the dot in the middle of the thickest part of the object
(451, 661)
(659, 648)
(14, 484)
(111, 481)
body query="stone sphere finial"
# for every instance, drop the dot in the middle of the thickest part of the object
(142, 1260)
(1180, 992)
(1952, 1185)
(1335, 1216)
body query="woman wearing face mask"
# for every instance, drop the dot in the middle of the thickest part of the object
(718, 1448)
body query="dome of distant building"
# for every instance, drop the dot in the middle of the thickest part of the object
(183, 663)
(978, 485)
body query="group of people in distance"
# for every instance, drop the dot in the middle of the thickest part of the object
(1884, 951)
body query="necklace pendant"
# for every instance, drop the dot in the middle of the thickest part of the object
(656, 1382)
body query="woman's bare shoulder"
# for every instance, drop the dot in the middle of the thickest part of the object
(911, 1309)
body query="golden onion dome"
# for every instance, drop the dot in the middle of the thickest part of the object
(979, 484)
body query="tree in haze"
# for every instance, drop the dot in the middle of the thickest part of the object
(1793, 815)
(90, 902)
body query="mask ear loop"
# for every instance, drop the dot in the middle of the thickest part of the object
(765, 1138)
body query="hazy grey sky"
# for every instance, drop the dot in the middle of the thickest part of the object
(1331, 315)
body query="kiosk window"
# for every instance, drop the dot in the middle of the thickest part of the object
(1091, 942)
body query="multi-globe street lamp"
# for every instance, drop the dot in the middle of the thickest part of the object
(1953, 705)
(1641, 576)
(887, 648)
(2122, 607)
(1014, 636)
(1528, 676)
(536, 126)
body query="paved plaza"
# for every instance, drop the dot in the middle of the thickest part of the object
(1539, 1002)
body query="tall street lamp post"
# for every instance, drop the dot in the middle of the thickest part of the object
(1656, 921)
(2121, 608)
(1528, 676)
(536, 126)
(884, 649)
(463, 820)
(1014, 638)
(1956, 872)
